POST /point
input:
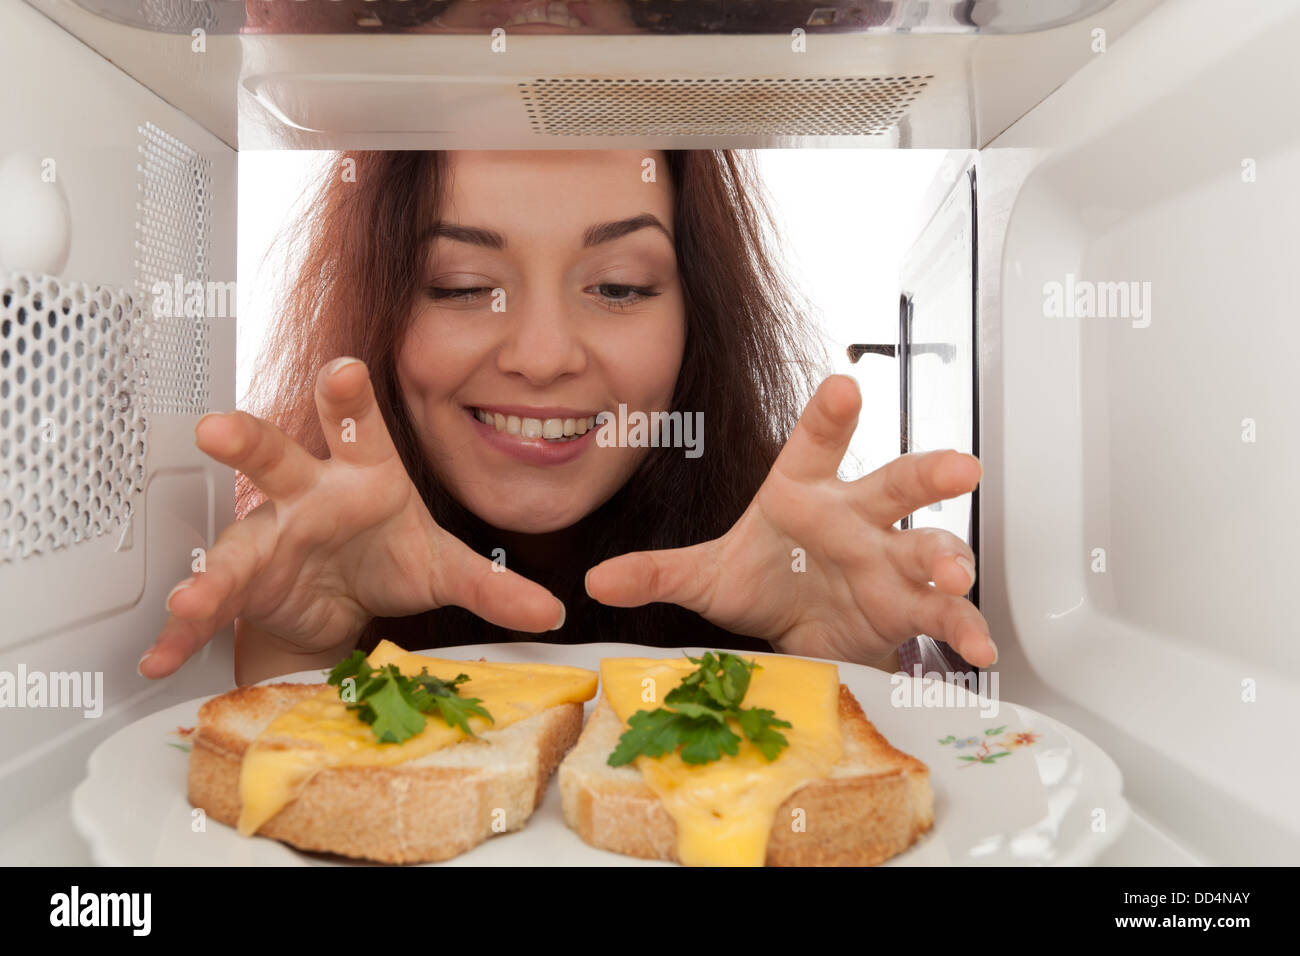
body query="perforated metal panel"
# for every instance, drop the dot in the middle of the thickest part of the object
(178, 17)
(82, 367)
(173, 240)
(817, 106)
(171, 16)
(72, 428)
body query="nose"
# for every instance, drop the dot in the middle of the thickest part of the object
(542, 344)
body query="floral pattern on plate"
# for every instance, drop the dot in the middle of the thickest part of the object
(984, 752)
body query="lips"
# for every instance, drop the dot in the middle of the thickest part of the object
(531, 446)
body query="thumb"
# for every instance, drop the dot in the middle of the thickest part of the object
(822, 435)
(682, 576)
(499, 596)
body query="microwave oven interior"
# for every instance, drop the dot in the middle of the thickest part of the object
(1131, 526)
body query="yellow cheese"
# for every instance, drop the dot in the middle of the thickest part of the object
(320, 732)
(724, 810)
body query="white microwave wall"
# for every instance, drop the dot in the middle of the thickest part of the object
(1166, 443)
(82, 593)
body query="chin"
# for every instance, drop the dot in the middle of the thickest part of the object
(530, 517)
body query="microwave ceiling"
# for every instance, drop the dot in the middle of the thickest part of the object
(602, 74)
(595, 17)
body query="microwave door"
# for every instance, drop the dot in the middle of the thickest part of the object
(937, 377)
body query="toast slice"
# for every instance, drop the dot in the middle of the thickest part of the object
(430, 808)
(874, 804)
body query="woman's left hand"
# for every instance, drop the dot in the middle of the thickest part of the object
(814, 565)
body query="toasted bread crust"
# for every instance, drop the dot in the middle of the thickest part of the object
(408, 813)
(875, 804)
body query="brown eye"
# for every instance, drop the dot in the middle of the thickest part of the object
(439, 294)
(625, 295)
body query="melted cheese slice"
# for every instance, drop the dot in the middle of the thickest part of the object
(320, 732)
(724, 810)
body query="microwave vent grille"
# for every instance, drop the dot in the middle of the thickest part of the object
(173, 17)
(72, 426)
(173, 243)
(774, 106)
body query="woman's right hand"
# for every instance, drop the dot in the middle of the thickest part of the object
(336, 543)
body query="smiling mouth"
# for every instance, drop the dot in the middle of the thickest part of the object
(554, 430)
(555, 13)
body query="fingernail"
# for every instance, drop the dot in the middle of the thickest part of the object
(966, 566)
(560, 623)
(995, 652)
(184, 584)
(341, 363)
(139, 668)
(981, 467)
(585, 578)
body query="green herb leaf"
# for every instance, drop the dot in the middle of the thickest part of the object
(757, 723)
(443, 695)
(394, 704)
(705, 741)
(650, 732)
(701, 710)
(395, 718)
(349, 667)
(696, 717)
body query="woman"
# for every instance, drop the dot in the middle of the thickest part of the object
(446, 300)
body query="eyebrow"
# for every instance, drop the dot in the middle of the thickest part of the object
(595, 235)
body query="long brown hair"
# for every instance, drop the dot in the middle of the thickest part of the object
(749, 364)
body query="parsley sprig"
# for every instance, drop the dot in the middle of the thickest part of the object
(697, 719)
(394, 705)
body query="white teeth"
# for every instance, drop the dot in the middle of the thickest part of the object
(555, 13)
(553, 429)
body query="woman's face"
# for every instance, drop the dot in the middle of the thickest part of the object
(551, 295)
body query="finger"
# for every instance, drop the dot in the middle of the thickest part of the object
(821, 436)
(683, 576)
(496, 594)
(273, 461)
(213, 599)
(957, 622)
(932, 554)
(913, 481)
(350, 417)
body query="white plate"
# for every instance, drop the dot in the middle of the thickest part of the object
(1049, 796)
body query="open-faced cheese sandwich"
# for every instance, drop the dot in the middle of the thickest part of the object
(741, 761)
(400, 759)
